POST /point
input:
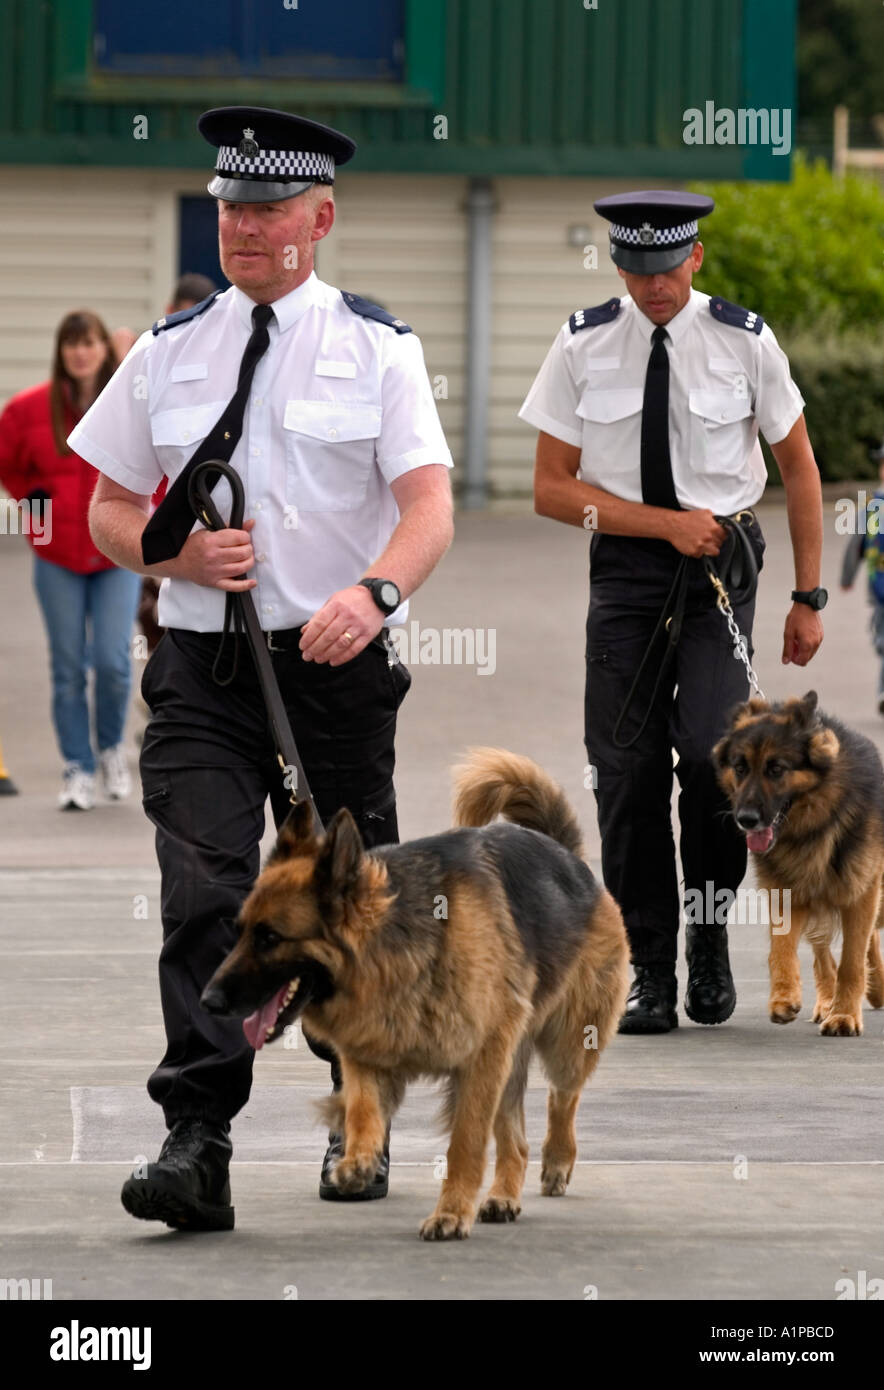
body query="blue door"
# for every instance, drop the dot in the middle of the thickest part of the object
(198, 238)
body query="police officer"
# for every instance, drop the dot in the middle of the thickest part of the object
(649, 409)
(321, 402)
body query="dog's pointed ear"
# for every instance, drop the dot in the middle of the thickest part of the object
(809, 707)
(295, 834)
(339, 859)
(721, 752)
(746, 712)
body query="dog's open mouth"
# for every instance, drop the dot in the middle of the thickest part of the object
(283, 1008)
(760, 841)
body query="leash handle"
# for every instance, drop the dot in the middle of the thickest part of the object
(734, 568)
(240, 608)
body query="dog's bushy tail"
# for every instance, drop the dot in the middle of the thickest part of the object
(492, 782)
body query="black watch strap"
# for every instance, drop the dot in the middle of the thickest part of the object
(814, 598)
(385, 594)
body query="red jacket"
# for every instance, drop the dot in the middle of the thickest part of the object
(28, 461)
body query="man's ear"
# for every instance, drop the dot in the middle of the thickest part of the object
(339, 859)
(697, 256)
(295, 835)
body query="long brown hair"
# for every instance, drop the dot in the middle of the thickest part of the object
(74, 327)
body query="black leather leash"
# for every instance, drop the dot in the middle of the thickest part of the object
(733, 573)
(241, 615)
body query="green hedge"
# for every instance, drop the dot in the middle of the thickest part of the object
(841, 377)
(806, 255)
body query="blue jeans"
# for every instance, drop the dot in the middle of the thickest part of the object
(76, 608)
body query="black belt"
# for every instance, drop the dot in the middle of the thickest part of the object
(735, 566)
(240, 614)
(288, 639)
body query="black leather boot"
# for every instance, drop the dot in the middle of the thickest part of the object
(710, 995)
(188, 1186)
(378, 1187)
(650, 1006)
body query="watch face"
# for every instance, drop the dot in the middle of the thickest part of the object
(389, 595)
(822, 598)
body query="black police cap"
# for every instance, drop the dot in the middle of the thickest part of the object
(654, 230)
(265, 155)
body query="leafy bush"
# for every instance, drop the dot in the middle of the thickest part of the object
(841, 377)
(806, 255)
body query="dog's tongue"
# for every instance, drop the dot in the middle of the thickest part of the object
(257, 1025)
(759, 841)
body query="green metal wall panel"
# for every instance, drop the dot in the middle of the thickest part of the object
(527, 86)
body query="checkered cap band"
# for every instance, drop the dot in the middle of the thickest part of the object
(663, 236)
(275, 164)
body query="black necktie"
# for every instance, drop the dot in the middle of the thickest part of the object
(172, 522)
(658, 489)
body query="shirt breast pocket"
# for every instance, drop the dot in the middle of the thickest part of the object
(721, 431)
(329, 453)
(611, 426)
(176, 433)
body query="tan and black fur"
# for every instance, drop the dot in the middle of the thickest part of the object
(456, 955)
(815, 789)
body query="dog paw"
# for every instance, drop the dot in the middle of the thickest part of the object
(445, 1225)
(354, 1174)
(784, 1010)
(822, 1010)
(554, 1181)
(841, 1026)
(499, 1209)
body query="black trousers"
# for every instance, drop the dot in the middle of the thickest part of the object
(629, 580)
(207, 767)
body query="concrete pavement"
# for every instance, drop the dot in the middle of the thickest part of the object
(743, 1162)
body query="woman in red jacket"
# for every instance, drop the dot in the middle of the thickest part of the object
(88, 604)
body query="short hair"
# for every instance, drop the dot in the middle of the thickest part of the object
(191, 289)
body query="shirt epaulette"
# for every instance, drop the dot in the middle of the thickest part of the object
(373, 311)
(589, 318)
(172, 320)
(735, 315)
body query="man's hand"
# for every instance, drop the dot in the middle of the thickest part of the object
(696, 533)
(218, 559)
(802, 636)
(352, 611)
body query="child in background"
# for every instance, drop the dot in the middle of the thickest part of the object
(869, 546)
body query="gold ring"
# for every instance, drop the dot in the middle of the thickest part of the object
(347, 637)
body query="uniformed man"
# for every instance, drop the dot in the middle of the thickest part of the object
(322, 403)
(649, 409)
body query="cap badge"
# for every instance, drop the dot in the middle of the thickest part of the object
(247, 144)
(646, 234)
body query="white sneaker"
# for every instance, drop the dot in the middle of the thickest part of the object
(115, 773)
(77, 789)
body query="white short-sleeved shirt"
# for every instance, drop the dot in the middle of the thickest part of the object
(724, 383)
(340, 407)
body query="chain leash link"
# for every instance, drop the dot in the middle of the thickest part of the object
(741, 651)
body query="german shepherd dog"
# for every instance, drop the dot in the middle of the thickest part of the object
(809, 794)
(456, 955)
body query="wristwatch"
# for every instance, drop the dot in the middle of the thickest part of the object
(385, 594)
(814, 598)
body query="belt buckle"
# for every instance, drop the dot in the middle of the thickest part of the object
(270, 647)
(745, 513)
